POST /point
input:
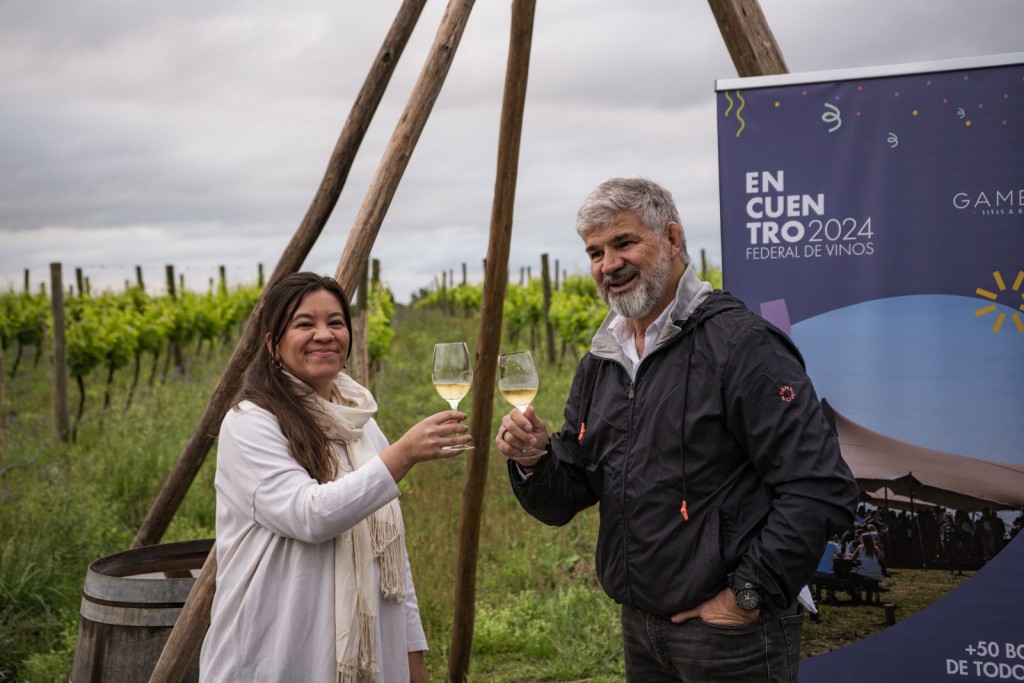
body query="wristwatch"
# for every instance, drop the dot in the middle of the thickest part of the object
(747, 597)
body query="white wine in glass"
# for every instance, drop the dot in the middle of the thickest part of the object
(452, 374)
(518, 383)
(520, 398)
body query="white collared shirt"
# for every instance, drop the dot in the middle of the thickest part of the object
(623, 333)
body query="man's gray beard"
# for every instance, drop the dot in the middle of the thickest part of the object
(638, 302)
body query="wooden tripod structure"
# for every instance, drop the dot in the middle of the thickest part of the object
(754, 53)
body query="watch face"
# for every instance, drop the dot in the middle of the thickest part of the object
(748, 599)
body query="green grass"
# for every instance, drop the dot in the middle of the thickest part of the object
(539, 614)
(909, 589)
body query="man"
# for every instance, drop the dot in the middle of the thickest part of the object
(693, 423)
(825, 573)
(949, 537)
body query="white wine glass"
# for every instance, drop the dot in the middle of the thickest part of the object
(518, 383)
(452, 374)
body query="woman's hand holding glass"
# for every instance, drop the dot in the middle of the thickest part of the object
(452, 374)
(443, 434)
(430, 439)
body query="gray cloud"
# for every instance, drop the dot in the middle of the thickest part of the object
(147, 133)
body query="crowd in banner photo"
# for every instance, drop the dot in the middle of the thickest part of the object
(933, 538)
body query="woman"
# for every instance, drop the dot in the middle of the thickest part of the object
(869, 557)
(312, 579)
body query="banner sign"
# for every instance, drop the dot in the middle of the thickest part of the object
(878, 218)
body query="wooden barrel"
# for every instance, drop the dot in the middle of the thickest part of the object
(129, 605)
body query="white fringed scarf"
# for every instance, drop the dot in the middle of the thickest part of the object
(378, 537)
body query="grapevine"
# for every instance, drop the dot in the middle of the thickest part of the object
(23, 321)
(381, 311)
(576, 312)
(109, 331)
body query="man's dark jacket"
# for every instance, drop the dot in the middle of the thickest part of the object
(752, 455)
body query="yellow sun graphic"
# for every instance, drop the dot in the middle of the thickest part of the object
(992, 296)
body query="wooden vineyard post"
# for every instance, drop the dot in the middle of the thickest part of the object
(3, 404)
(489, 339)
(359, 353)
(175, 350)
(61, 411)
(549, 329)
(445, 305)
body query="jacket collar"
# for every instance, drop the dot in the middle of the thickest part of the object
(690, 293)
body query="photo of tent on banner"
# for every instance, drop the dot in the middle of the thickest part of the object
(913, 474)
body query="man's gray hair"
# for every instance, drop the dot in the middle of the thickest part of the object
(651, 203)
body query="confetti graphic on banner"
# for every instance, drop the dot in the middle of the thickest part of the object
(743, 103)
(832, 115)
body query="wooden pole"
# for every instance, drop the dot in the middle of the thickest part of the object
(3, 403)
(359, 354)
(175, 350)
(489, 339)
(186, 638)
(403, 142)
(61, 411)
(549, 328)
(444, 293)
(748, 37)
(191, 626)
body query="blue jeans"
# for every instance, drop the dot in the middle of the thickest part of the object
(695, 651)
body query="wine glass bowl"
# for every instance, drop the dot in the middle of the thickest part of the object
(452, 374)
(518, 383)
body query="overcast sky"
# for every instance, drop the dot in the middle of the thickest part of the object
(196, 133)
